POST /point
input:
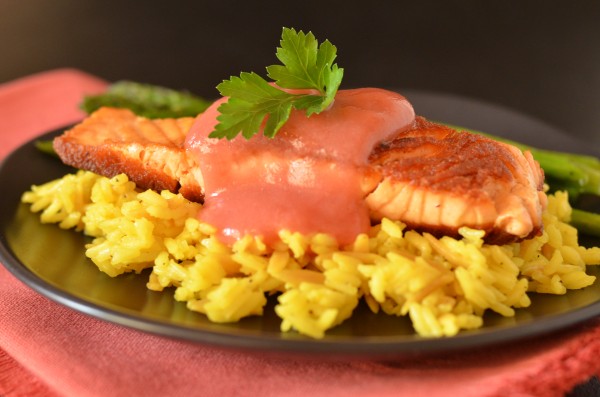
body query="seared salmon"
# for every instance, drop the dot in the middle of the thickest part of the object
(438, 179)
(150, 151)
(432, 177)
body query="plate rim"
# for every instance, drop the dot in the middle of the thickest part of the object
(380, 346)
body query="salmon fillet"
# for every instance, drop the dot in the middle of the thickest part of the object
(432, 178)
(438, 179)
(150, 151)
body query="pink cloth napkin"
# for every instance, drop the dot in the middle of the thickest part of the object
(50, 350)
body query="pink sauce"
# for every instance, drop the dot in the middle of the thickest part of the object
(309, 178)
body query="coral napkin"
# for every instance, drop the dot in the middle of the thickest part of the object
(49, 350)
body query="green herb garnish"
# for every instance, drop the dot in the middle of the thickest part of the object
(306, 65)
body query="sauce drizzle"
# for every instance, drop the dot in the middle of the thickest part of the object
(311, 177)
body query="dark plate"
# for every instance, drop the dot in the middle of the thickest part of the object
(52, 262)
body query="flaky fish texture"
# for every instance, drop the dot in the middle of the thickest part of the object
(150, 151)
(438, 179)
(431, 177)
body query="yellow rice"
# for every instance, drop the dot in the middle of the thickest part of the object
(444, 285)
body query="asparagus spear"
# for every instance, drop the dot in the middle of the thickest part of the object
(147, 100)
(586, 222)
(45, 146)
(576, 173)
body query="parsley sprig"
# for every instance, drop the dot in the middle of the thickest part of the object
(306, 65)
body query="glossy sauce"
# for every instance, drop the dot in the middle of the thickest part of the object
(312, 177)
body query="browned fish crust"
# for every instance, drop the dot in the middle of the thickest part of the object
(151, 152)
(437, 179)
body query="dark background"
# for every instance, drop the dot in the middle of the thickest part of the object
(541, 58)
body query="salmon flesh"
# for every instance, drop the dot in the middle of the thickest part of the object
(431, 177)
